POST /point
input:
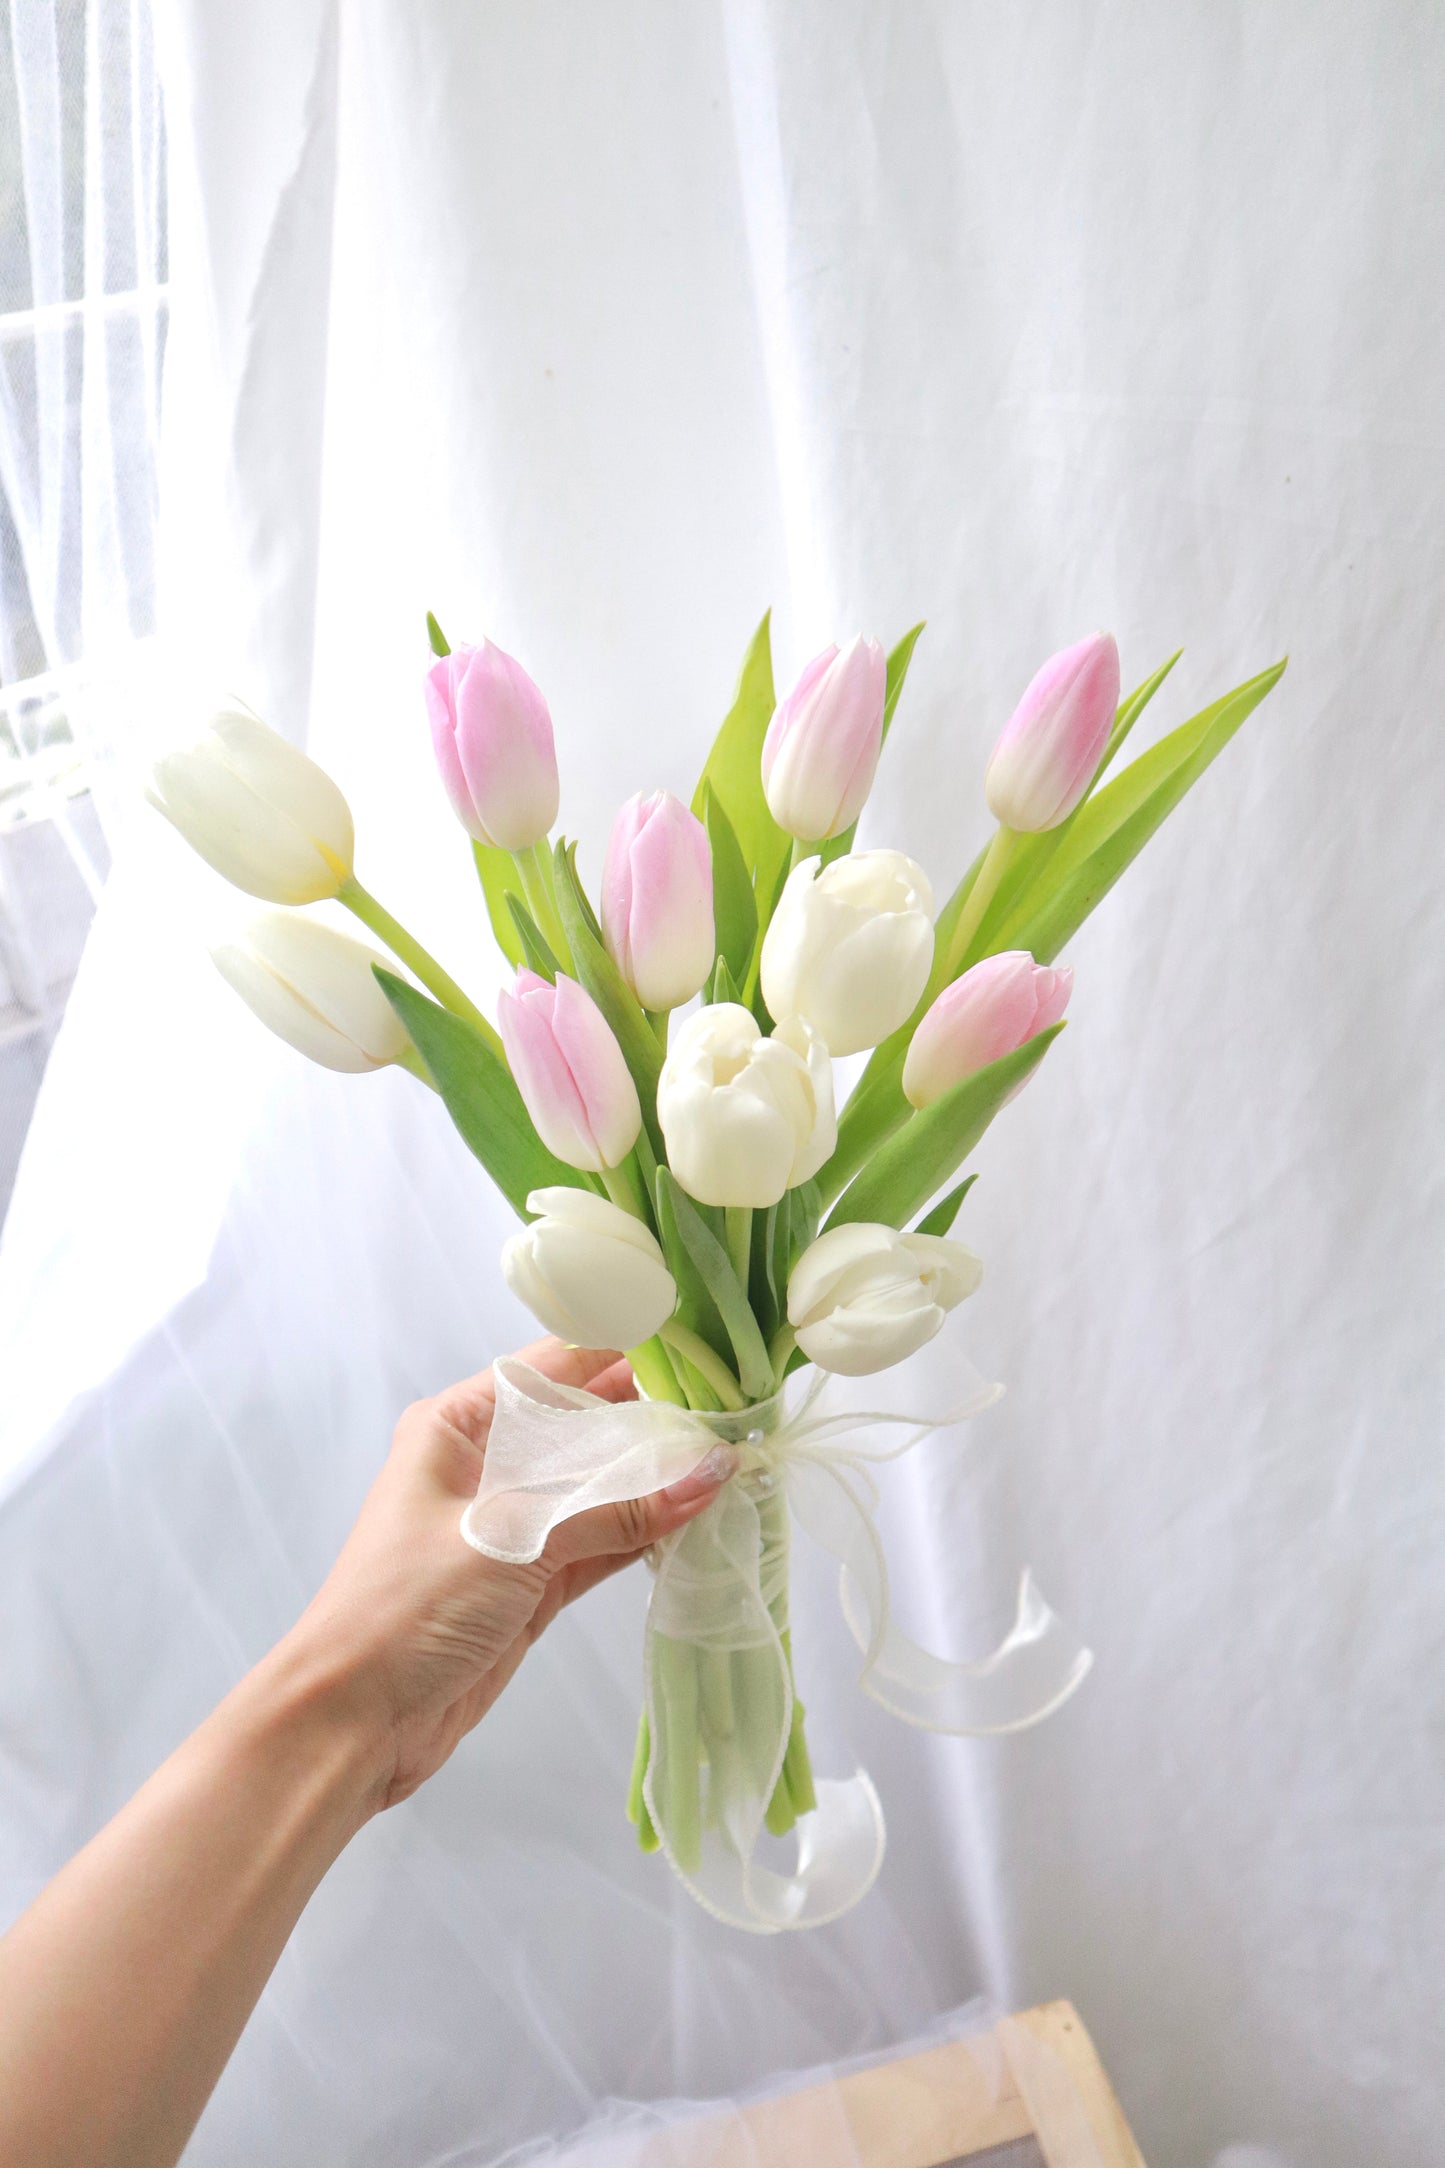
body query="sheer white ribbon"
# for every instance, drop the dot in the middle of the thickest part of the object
(719, 1690)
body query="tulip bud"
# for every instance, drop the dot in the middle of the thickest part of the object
(1049, 749)
(657, 900)
(745, 1117)
(823, 742)
(314, 987)
(850, 947)
(257, 809)
(589, 1271)
(997, 1006)
(863, 1297)
(570, 1071)
(493, 740)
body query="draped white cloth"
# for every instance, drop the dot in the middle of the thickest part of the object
(599, 329)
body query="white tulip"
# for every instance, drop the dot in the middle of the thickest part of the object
(863, 1297)
(850, 947)
(257, 810)
(745, 1117)
(314, 988)
(588, 1271)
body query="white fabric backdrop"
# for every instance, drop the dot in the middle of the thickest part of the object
(598, 329)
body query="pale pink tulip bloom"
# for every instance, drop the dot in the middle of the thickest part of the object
(994, 1008)
(493, 740)
(657, 900)
(570, 1072)
(823, 742)
(1051, 746)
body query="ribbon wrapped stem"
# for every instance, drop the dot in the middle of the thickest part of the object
(722, 1760)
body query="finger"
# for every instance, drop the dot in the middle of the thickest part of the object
(618, 1383)
(469, 1404)
(588, 1573)
(632, 1524)
(569, 1365)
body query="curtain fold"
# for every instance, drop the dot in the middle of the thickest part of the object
(598, 331)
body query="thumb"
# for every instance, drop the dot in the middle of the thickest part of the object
(632, 1524)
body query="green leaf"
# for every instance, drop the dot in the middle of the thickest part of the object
(734, 908)
(918, 1160)
(479, 1094)
(714, 1268)
(723, 986)
(733, 769)
(581, 900)
(775, 1240)
(945, 1212)
(538, 956)
(497, 871)
(436, 636)
(695, 1305)
(898, 662)
(1032, 853)
(1130, 712)
(604, 982)
(782, 1233)
(1112, 827)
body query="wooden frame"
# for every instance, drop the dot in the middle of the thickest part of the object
(1035, 2076)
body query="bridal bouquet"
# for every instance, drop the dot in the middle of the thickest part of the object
(688, 1187)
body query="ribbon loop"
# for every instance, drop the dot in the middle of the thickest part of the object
(719, 1691)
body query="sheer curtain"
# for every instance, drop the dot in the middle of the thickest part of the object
(82, 331)
(599, 330)
(83, 314)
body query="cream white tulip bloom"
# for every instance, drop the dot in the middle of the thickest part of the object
(257, 809)
(745, 1117)
(314, 988)
(850, 947)
(863, 1297)
(589, 1271)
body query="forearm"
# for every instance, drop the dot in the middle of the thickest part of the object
(126, 1985)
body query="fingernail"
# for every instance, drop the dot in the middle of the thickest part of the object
(714, 1468)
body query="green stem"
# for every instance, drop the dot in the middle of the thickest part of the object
(783, 1343)
(738, 1220)
(658, 1020)
(646, 1164)
(675, 1679)
(793, 1794)
(624, 1186)
(980, 896)
(535, 868)
(707, 1364)
(411, 1060)
(652, 1368)
(363, 905)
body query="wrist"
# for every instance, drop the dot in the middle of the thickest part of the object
(311, 1710)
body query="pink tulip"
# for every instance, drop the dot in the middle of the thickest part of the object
(493, 739)
(823, 742)
(1052, 744)
(997, 1006)
(570, 1072)
(657, 900)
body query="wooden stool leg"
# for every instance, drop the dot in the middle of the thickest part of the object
(1076, 2118)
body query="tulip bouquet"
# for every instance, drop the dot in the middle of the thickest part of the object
(688, 1188)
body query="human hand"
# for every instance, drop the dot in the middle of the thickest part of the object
(417, 1632)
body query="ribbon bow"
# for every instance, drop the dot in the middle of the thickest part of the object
(719, 1691)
